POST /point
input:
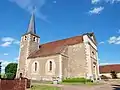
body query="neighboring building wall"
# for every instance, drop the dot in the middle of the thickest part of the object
(76, 60)
(43, 73)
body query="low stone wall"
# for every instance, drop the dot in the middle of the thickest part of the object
(14, 84)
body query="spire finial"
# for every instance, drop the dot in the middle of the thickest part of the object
(33, 9)
(31, 28)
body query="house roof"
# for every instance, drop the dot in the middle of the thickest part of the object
(55, 47)
(109, 68)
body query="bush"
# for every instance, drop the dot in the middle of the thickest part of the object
(10, 70)
(113, 74)
(77, 80)
(10, 76)
(4, 76)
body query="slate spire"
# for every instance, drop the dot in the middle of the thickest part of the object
(31, 27)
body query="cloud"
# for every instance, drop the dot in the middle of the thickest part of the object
(28, 6)
(106, 1)
(101, 64)
(7, 41)
(101, 42)
(16, 42)
(104, 63)
(95, 1)
(114, 40)
(6, 44)
(96, 10)
(112, 1)
(5, 54)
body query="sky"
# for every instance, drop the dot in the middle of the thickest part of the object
(59, 19)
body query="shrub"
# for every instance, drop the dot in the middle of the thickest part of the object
(10, 70)
(77, 80)
(4, 76)
(10, 76)
(113, 74)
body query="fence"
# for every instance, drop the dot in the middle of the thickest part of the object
(14, 84)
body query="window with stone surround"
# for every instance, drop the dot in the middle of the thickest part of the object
(35, 66)
(50, 66)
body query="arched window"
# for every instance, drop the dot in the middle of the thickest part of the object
(50, 66)
(35, 66)
(33, 38)
(20, 75)
(93, 53)
(25, 37)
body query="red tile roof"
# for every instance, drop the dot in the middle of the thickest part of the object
(109, 68)
(55, 47)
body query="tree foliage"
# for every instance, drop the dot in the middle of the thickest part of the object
(10, 70)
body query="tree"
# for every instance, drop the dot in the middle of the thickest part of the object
(10, 70)
(113, 74)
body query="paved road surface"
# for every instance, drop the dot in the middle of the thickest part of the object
(99, 87)
(108, 86)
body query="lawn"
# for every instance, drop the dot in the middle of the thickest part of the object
(44, 87)
(75, 83)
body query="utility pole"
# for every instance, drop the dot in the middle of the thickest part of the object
(0, 69)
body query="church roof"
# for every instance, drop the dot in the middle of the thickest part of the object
(55, 47)
(109, 68)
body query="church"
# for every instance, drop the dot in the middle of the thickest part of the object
(71, 57)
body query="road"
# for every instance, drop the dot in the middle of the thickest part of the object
(99, 87)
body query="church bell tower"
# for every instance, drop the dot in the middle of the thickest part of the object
(29, 43)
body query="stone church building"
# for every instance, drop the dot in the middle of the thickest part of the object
(72, 57)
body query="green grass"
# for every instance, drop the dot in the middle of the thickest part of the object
(76, 80)
(44, 87)
(79, 83)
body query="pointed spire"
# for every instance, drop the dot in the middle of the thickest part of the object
(31, 27)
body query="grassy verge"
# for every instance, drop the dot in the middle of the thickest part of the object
(77, 83)
(44, 87)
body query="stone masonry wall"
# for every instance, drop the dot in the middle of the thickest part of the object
(77, 60)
